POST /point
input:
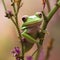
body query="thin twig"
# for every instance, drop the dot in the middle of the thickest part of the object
(48, 5)
(4, 5)
(34, 52)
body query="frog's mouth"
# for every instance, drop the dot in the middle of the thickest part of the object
(34, 24)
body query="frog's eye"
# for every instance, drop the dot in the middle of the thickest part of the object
(39, 14)
(24, 18)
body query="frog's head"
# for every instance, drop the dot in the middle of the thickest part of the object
(32, 20)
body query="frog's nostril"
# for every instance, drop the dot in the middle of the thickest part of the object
(39, 14)
(24, 18)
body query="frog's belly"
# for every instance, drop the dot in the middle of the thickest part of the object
(33, 31)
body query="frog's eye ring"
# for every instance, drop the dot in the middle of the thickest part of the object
(39, 14)
(24, 18)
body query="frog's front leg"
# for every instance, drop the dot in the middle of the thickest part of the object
(28, 37)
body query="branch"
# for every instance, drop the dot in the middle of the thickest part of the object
(50, 15)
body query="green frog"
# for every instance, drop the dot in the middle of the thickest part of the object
(31, 29)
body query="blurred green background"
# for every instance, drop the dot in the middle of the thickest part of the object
(8, 35)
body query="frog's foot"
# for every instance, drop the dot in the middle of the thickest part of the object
(45, 31)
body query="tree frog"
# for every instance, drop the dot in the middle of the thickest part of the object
(30, 28)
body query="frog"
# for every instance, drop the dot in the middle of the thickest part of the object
(30, 29)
